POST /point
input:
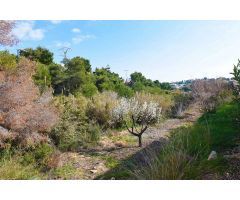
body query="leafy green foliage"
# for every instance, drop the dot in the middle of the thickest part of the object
(236, 72)
(7, 61)
(39, 54)
(78, 76)
(89, 89)
(236, 77)
(42, 77)
(74, 130)
(141, 83)
(107, 80)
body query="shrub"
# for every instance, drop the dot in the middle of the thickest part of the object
(207, 91)
(8, 61)
(181, 102)
(123, 90)
(89, 89)
(74, 131)
(165, 100)
(42, 77)
(24, 111)
(100, 108)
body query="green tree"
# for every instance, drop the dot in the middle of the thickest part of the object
(58, 76)
(236, 77)
(107, 80)
(236, 72)
(138, 86)
(138, 77)
(42, 77)
(39, 54)
(78, 74)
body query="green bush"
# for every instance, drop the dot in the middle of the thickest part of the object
(7, 61)
(89, 89)
(124, 91)
(42, 77)
(74, 130)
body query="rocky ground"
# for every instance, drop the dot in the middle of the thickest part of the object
(96, 161)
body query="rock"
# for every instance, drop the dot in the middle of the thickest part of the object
(100, 167)
(113, 178)
(4, 132)
(212, 155)
(94, 171)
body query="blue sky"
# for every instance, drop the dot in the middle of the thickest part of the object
(161, 50)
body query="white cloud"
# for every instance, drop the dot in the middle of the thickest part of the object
(76, 30)
(56, 21)
(25, 30)
(62, 44)
(80, 38)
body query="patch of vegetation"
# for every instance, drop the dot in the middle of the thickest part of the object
(66, 172)
(125, 138)
(8, 61)
(25, 164)
(185, 155)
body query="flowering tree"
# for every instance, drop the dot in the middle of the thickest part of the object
(136, 115)
(6, 36)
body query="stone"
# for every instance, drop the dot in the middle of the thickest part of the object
(94, 171)
(4, 133)
(212, 155)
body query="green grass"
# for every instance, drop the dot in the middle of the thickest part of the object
(185, 155)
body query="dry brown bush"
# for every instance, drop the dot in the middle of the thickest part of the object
(210, 92)
(22, 109)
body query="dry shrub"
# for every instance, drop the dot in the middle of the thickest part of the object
(210, 92)
(22, 109)
(181, 102)
(100, 108)
(165, 100)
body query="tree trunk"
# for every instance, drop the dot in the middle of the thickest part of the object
(140, 140)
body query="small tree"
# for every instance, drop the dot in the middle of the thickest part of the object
(136, 115)
(236, 77)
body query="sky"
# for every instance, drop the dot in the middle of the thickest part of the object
(161, 50)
